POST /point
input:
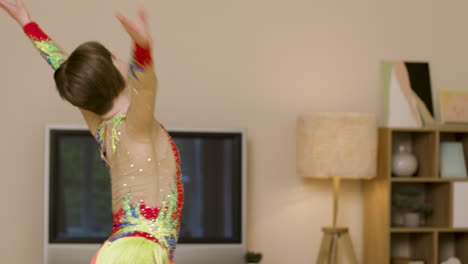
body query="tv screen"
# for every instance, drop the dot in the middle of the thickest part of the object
(80, 193)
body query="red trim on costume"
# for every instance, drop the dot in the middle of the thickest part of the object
(33, 31)
(149, 212)
(180, 186)
(142, 55)
(143, 235)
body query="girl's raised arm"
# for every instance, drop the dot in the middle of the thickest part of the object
(142, 76)
(51, 52)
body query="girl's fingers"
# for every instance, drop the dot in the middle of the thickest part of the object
(123, 20)
(137, 29)
(4, 4)
(120, 17)
(142, 14)
(19, 3)
(127, 24)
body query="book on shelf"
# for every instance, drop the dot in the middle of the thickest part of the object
(460, 214)
(407, 261)
(452, 160)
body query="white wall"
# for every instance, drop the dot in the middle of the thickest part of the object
(253, 64)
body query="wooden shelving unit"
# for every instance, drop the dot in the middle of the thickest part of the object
(437, 239)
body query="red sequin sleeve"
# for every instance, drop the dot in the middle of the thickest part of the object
(34, 32)
(142, 56)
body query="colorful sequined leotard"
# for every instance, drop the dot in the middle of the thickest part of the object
(147, 191)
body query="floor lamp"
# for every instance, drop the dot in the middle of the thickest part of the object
(337, 146)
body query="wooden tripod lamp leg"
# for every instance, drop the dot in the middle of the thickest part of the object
(325, 249)
(336, 197)
(335, 238)
(349, 249)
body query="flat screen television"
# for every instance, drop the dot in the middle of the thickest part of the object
(78, 217)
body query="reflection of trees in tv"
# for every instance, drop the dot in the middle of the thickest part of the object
(211, 168)
(80, 192)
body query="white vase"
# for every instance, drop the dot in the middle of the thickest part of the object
(412, 219)
(404, 163)
(452, 260)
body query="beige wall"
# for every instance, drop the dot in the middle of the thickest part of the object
(252, 64)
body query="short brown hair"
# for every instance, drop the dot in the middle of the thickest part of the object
(88, 79)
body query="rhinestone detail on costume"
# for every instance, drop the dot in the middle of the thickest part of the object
(100, 135)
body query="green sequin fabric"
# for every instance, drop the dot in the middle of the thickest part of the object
(101, 133)
(50, 52)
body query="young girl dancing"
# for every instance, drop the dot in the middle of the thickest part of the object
(117, 103)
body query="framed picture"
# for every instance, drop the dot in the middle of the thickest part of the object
(408, 93)
(453, 105)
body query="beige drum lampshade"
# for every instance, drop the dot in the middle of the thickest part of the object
(337, 144)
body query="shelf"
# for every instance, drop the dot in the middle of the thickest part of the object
(412, 230)
(440, 128)
(413, 245)
(453, 128)
(425, 179)
(453, 244)
(453, 230)
(427, 230)
(411, 129)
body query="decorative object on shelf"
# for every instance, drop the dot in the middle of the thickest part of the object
(336, 146)
(406, 261)
(408, 203)
(404, 162)
(460, 201)
(411, 219)
(452, 260)
(253, 257)
(453, 105)
(409, 94)
(452, 160)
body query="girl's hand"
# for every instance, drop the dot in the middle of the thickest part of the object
(17, 11)
(137, 29)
